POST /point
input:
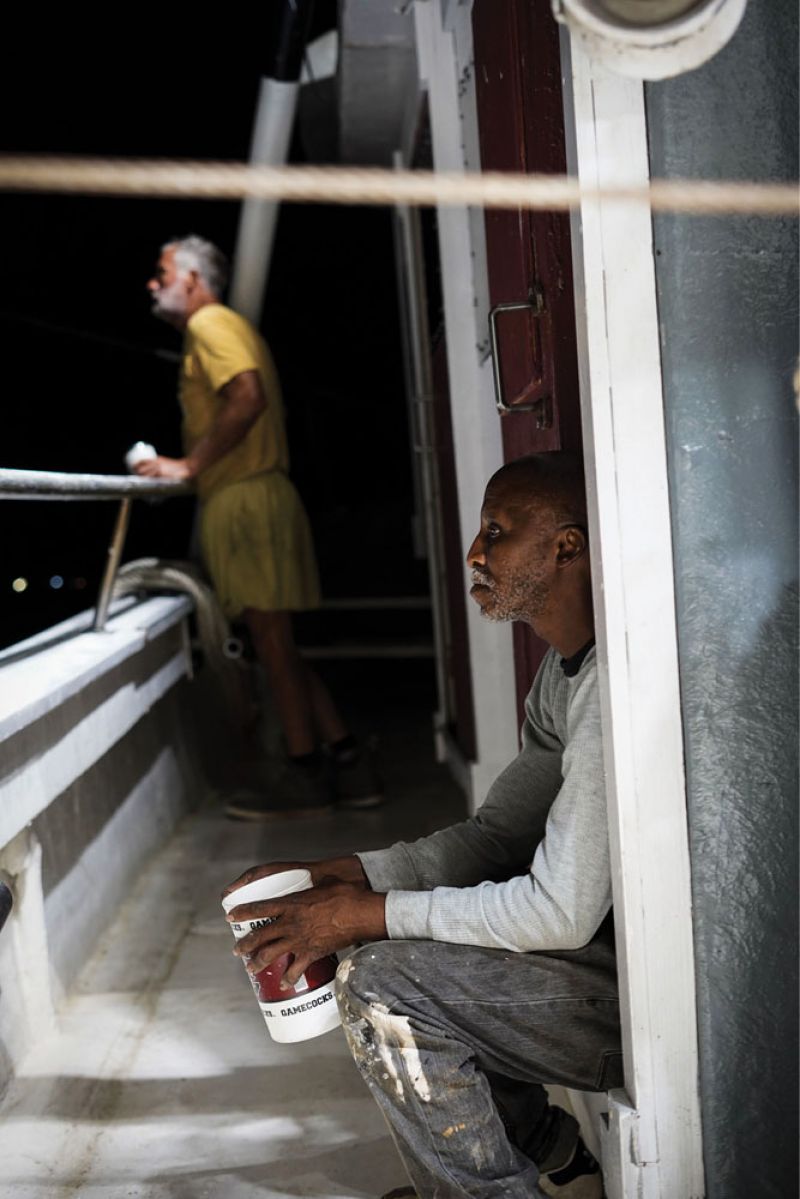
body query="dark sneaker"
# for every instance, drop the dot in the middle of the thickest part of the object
(294, 793)
(356, 781)
(579, 1178)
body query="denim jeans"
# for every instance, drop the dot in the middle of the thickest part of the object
(454, 1042)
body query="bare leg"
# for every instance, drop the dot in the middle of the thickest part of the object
(304, 704)
(287, 675)
(327, 720)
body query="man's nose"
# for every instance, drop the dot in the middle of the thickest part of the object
(152, 285)
(475, 552)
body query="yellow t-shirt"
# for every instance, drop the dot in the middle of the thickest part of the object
(219, 345)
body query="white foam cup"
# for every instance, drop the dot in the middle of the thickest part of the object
(307, 1009)
(140, 451)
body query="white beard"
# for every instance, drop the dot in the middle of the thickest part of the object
(169, 301)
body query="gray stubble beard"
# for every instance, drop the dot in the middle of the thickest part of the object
(521, 596)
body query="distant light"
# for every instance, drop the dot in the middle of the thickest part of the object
(79, 584)
(20, 585)
(56, 582)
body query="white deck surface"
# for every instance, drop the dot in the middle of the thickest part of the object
(163, 1080)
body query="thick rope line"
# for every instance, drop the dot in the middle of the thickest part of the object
(354, 185)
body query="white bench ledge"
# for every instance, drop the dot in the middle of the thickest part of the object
(36, 683)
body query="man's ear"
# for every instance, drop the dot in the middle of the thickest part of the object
(192, 281)
(571, 545)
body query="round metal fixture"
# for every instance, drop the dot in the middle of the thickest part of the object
(651, 39)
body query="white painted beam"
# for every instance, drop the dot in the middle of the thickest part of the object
(445, 58)
(272, 132)
(654, 1128)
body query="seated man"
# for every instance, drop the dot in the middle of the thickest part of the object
(491, 967)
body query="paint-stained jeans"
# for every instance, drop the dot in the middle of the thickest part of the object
(455, 1041)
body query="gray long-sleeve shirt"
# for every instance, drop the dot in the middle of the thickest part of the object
(531, 869)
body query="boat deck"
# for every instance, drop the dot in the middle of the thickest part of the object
(163, 1081)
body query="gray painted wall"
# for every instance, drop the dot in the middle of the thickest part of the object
(728, 309)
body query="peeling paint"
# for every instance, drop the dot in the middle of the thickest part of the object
(393, 1036)
(345, 970)
(478, 1156)
(379, 1043)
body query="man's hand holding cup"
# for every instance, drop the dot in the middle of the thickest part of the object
(308, 925)
(288, 919)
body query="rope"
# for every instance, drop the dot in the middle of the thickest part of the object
(359, 185)
(219, 649)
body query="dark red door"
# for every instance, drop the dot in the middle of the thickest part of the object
(521, 127)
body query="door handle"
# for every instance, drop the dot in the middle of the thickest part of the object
(543, 406)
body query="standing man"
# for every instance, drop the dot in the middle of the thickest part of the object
(491, 969)
(255, 534)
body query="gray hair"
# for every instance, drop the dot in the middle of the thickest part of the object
(193, 253)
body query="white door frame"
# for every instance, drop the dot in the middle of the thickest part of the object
(444, 54)
(651, 1141)
(652, 1146)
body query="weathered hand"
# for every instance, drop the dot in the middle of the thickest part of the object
(309, 925)
(164, 468)
(345, 870)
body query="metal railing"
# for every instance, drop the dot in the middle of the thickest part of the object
(60, 485)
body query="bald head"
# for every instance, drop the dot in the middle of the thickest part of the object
(530, 559)
(551, 484)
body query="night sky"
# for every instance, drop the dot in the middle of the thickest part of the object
(82, 376)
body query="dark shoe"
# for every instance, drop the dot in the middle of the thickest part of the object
(578, 1178)
(293, 793)
(356, 781)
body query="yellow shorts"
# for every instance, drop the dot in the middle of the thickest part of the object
(257, 546)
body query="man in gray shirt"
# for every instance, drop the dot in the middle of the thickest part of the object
(490, 967)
